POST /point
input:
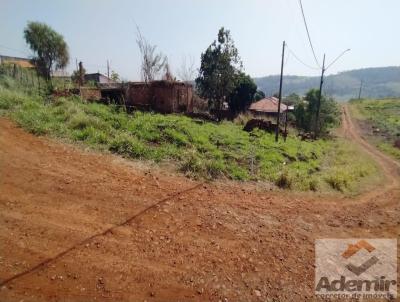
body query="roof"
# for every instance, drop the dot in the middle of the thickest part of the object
(268, 105)
(22, 62)
(98, 77)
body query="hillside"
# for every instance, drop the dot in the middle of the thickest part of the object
(379, 82)
(380, 121)
(198, 149)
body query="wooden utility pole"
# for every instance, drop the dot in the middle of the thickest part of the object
(319, 100)
(81, 74)
(15, 71)
(359, 92)
(285, 133)
(108, 69)
(280, 95)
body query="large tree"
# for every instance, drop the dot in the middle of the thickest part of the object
(243, 93)
(220, 66)
(51, 51)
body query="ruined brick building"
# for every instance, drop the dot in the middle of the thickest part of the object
(160, 96)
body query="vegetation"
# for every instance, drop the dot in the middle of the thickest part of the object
(347, 166)
(259, 95)
(243, 94)
(48, 45)
(379, 82)
(200, 149)
(220, 66)
(305, 112)
(78, 76)
(384, 116)
(114, 76)
(152, 62)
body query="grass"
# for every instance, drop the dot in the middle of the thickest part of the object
(347, 168)
(198, 149)
(384, 115)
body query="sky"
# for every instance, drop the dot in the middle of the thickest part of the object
(101, 30)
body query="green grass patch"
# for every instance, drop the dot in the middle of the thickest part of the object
(383, 115)
(346, 167)
(200, 150)
(390, 149)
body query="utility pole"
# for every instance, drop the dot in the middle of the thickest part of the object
(359, 92)
(108, 69)
(286, 121)
(319, 99)
(280, 95)
(81, 74)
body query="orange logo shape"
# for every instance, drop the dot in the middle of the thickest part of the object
(354, 248)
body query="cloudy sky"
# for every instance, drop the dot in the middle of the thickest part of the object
(97, 30)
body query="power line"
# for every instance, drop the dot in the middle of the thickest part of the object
(287, 59)
(301, 61)
(338, 57)
(308, 33)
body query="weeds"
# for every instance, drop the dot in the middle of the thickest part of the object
(200, 150)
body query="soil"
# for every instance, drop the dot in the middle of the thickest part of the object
(77, 225)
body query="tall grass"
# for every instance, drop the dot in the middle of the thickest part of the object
(200, 150)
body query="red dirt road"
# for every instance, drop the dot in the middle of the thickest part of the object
(82, 226)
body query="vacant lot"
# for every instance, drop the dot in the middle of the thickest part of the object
(201, 150)
(380, 120)
(82, 226)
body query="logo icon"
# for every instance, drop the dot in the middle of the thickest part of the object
(352, 250)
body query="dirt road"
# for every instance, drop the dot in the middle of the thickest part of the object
(82, 226)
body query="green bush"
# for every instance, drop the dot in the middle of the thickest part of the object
(284, 180)
(129, 146)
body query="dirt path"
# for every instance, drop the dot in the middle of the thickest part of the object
(390, 167)
(81, 226)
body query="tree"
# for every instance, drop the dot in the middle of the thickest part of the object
(243, 94)
(51, 51)
(78, 76)
(306, 112)
(302, 117)
(292, 99)
(259, 95)
(220, 65)
(152, 62)
(187, 71)
(168, 76)
(114, 76)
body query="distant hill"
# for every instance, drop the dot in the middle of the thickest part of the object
(379, 82)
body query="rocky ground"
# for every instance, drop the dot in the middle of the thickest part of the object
(81, 226)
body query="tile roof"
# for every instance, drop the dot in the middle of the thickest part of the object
(268, 105)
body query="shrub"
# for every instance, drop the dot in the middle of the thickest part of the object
(339, 180)
(284, 180)
(126, 145)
